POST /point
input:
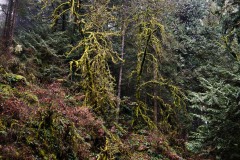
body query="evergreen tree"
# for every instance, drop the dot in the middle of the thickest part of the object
(217, 105)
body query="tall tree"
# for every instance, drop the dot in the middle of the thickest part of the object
(8, 31)
(121, 68)
(149, 39)
(95, 50)
(124, 21)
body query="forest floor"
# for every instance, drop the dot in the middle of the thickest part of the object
(44, 117)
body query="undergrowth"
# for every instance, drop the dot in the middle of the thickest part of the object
(49, 119)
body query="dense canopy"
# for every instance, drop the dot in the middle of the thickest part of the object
(120, 79)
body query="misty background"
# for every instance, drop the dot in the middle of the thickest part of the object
(2, 1)
(2, 16)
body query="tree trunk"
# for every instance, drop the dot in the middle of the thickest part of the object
(120, 71)
(155, 104)
(64, 19)
(64, 22)
(8, 30)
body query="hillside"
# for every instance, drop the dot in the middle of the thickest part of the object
(120, 80)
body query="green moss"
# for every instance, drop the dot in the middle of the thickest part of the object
(30, 98)
(6, 89)
(2, 126)
(2, 70)
(27, 97)
(15, 78)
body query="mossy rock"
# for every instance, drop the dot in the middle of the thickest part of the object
(30, 98)
(3, 132)
(2, 70)
(14, 65)
(6, 89)
(15, 79)
(2, 126)
(140, 155)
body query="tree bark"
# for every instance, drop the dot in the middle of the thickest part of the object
(155, 104)
(120, 71)
(64, 22)
(8, 30)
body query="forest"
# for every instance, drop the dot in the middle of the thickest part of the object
(119, 80)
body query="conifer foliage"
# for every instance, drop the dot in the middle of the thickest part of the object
(217, 105)
(120, 79)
